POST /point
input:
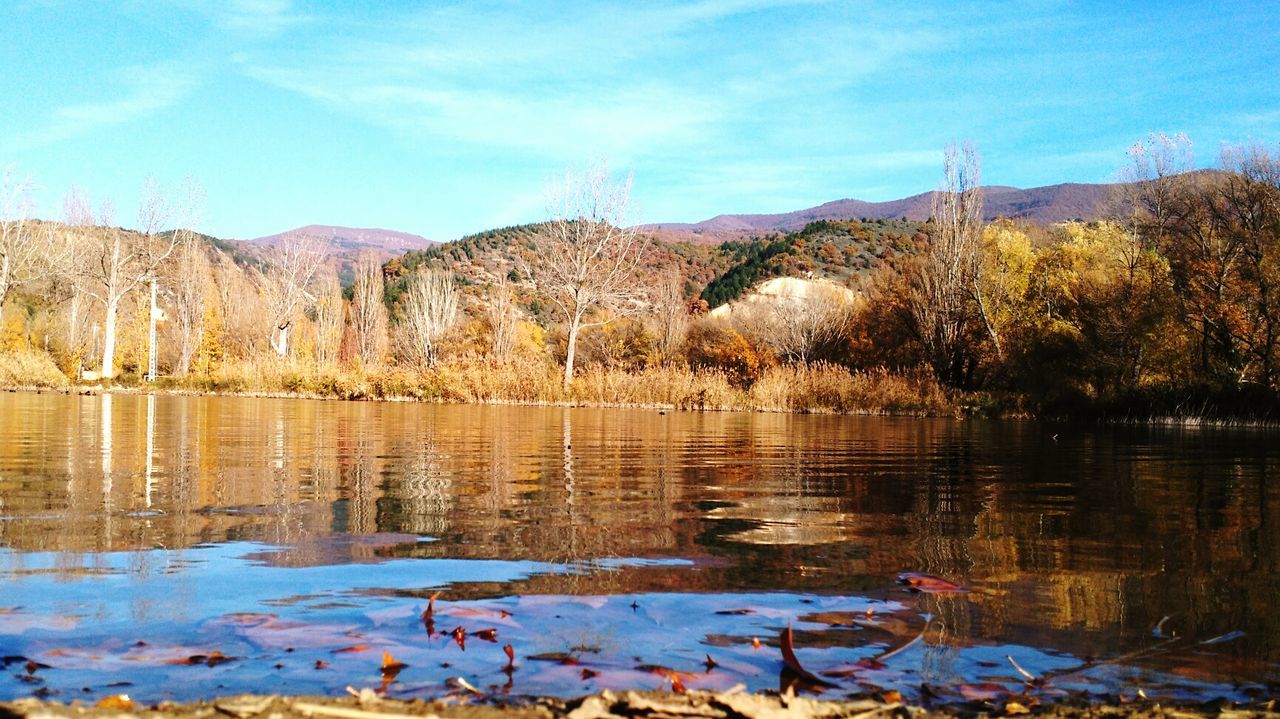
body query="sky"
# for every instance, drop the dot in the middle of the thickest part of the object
(447, 118)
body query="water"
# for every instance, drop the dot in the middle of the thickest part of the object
(175, 547)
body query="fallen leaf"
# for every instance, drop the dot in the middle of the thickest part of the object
(891, 696)
(755, 642)
(792, 663)
(487, 635)
(390, 665)
(116, 702)
(351, 649)
(667, 673)
(982, 692)
(589, 673)
(460, 683)
(460, 636)
(710, 663)
(560, 657)
(511, 655)
(322, 664)
(1014, 708)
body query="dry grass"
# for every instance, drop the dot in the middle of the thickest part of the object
(26, 368)
(788, 388)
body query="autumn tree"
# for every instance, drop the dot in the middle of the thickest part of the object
(503, 317)
(585, 257)
(330, 310)
(369, 311)
(943, 280)
(430, 309)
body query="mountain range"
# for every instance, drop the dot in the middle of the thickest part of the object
(1045, 205)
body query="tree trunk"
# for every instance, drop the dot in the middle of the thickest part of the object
(281, 341)
(109, 340)
(575, 324)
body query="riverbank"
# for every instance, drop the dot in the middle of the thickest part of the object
(819, 388)
(605, 705)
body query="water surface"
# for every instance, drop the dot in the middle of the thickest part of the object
(180, 547)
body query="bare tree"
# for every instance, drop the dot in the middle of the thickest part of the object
(191, 272)
(803, 325)
(27, 248)
(369, 311)
(288, 285)
(672, 315)
(504, 318)
(585, 258)
(430, 309)
(190, 275)
(330, 315)
(115, 261)
(944, 278)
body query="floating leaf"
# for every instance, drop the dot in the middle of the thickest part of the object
(928, 583)
(710, 663)
(487, 635)
(511, 655)
(589, 673)
(460, 636)
(351, 649)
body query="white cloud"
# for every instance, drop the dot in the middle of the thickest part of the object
(142, 91)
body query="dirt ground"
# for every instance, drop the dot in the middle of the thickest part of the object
(606, 705)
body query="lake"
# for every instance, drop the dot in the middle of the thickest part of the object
(184, 547)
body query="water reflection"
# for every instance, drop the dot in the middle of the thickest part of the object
(1079, 540)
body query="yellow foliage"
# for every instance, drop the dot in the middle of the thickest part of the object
(209, 354)
(13, 331)
(531, 339)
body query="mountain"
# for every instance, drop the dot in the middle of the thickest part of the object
(1049, 204)
(352, 240)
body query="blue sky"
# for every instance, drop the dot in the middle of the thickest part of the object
(445, 118)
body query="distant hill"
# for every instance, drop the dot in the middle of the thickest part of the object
(1049, 204)
(349, 240)
(343, 245)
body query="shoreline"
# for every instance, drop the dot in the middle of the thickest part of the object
(957, 413)
(366, 704)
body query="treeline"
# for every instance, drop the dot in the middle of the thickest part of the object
(1169, 306)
